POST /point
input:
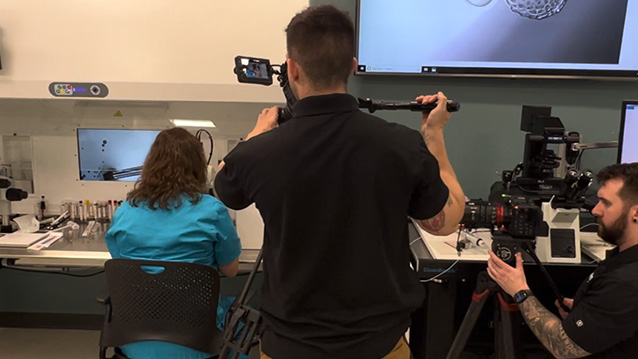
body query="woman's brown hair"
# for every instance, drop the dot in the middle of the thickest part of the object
(175, 166)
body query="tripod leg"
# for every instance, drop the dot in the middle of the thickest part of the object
(479, 297)
(506, 334)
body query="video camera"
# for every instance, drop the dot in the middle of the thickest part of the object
(512, 223)
(520, 220)
(260, 71)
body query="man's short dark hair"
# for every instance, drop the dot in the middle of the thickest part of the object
(321, 40)
(628, 173)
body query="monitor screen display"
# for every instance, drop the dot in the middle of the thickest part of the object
(113, 155)
(628, 134)
(561, 38)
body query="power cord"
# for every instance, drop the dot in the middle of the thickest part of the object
(198, 135)
(46, 271)
(588, 225)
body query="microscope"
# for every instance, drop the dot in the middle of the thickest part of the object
(534, 181)
(8, 194)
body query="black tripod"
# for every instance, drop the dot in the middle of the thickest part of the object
(506, 314)
(506, 319)
(243, 324)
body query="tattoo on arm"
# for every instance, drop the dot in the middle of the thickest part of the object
(549, 330)
(436, 223)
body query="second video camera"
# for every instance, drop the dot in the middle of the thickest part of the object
(255, 70)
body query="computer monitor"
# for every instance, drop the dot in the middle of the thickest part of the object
(112, 154)
(498, 38)
(628, 134)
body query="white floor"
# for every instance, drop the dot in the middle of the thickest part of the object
(18, 343)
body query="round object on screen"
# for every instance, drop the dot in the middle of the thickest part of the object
(536, 9)
(479, 3)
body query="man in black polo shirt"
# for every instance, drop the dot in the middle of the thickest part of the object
(603, 321)
(334, 187)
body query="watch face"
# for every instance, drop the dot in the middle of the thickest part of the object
(520, 296)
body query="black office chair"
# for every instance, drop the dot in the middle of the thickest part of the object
(177, 305)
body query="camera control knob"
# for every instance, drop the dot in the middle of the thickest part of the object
(504, 253)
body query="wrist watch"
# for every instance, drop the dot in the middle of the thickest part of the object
(522, 295)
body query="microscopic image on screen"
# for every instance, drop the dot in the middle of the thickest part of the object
(112, 155)
(408, 36)
(536, 9)
(480, 3)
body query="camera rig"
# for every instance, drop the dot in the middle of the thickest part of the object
(259, 71)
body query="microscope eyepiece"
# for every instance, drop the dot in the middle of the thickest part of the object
(15, 194)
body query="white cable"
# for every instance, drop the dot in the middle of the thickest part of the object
(589, 224)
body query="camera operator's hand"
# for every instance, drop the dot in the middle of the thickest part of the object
(510, 279)
(438, 117)
(568, 302)
(266, 121)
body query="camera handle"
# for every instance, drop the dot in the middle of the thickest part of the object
(284, 113)
(373, 106)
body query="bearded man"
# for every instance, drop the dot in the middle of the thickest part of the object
(603, 317)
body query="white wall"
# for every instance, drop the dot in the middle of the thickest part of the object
(160, 59)
(179, 50)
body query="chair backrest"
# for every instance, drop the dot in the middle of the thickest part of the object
(174, 302)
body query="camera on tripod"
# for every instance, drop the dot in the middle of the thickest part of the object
(520, 220)
(512, 223)
(531, 202)
(259, 71)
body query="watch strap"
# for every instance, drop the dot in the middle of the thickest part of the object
(522, 295)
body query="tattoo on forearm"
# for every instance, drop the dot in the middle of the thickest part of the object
(450, 202)
(435, 224)
(549, 330)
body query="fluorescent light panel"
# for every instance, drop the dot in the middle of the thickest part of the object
(192, 123)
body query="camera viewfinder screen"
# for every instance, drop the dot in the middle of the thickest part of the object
(254, 69)
(628, 142)
(113, 155)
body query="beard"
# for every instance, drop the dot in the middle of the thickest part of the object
(614, 232)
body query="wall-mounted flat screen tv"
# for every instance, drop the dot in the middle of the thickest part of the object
(499, 38)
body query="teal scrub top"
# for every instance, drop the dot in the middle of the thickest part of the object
(196, 233)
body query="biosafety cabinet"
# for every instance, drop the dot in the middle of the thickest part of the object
(125, 65)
